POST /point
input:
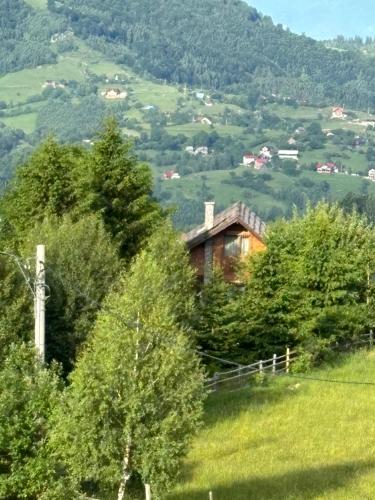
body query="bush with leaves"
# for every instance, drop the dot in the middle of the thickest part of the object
(29, 393)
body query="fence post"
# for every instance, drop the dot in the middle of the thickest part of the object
(216, 382)
(261, 366)
(274, 365)
(371, 339)
(287, 360)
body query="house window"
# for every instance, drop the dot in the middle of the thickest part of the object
(235, 245)
(245, 245)
(231, 245)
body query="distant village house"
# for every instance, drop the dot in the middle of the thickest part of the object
(248, 159)
(327, 168)
(171, 175)
(61, 37)
(202, 119)
(371, 174)
(114, 94)
(260, 163)
(53, 84)
(265, 153)
(288, 154)
(338, 113)
(200, 150)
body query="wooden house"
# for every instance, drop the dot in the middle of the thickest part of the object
(223, 239)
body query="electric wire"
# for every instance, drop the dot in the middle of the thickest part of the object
(100, 306)
(327, 380)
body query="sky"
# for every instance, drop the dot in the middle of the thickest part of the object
(322, 19)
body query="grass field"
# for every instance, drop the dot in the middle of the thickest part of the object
(25, 122)
(294, 439)
(37, 4)
(17, 87)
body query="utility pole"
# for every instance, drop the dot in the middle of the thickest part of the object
(40, 303)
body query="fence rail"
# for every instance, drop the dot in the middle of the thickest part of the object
(276, 365)
(237, 376)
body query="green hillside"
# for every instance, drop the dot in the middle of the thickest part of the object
(63, 96)
(163, 132)
(220, 44)
(294, 439)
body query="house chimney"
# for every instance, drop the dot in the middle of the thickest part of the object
(209, 214)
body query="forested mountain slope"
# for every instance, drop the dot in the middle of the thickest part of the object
(242, 84)
(25, 36)
(221, 43)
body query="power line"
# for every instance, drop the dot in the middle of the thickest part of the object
(328, 380)
(94, 304)
(23, 268)
(225, 361)
(134, 325)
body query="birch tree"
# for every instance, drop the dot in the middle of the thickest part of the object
(135, 397)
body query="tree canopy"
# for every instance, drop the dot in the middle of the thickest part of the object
(66, 179)
(313, 285)
(29, 393)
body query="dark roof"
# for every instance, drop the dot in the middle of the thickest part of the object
(238, 213)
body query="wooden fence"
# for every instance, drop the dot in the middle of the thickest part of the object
(242, 374)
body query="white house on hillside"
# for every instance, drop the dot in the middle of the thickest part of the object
(265, 153)
(288, 154)
(327, 168)
(114, 94)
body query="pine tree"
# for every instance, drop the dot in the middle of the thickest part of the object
(43, 186)
(214, 316)
(119, 188)
(66, 179)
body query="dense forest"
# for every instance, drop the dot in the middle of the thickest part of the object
(25, 36)
(221, 44)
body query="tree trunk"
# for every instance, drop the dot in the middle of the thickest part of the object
(125, 472)
(147, 491)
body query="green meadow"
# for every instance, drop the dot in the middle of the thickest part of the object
(37, 4)
(288, 439)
